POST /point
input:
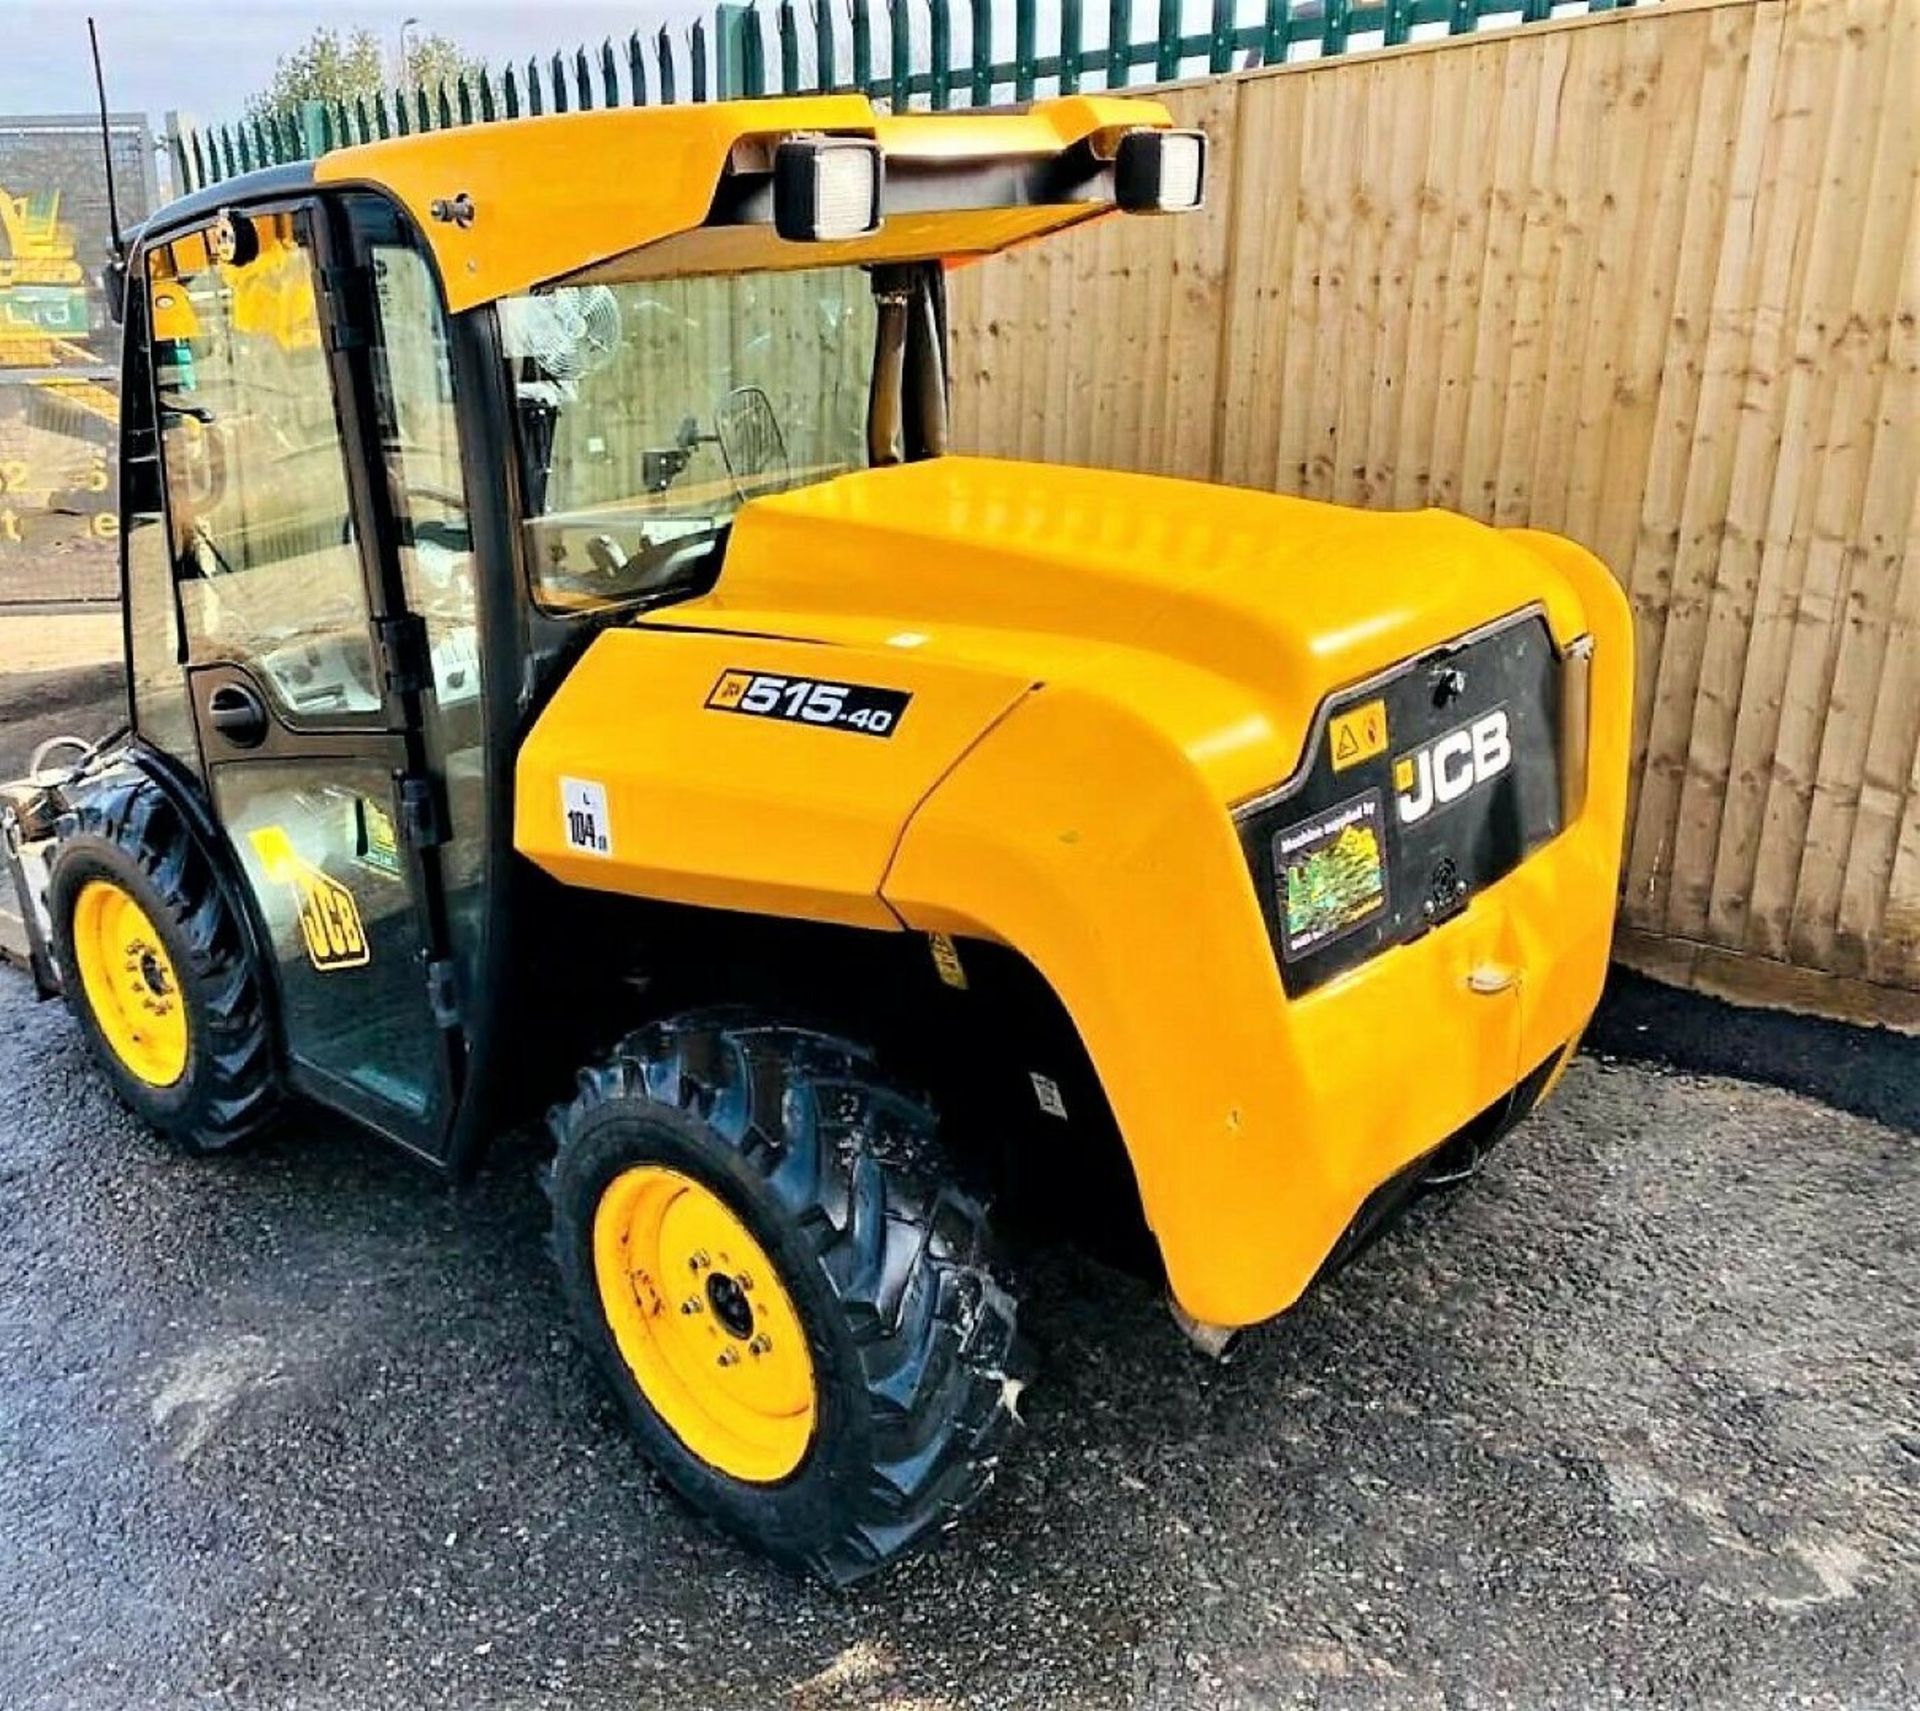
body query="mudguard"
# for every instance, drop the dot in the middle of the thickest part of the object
(654, 771)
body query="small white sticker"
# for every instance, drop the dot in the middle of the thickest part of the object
(1047, 1091)
(584, 819)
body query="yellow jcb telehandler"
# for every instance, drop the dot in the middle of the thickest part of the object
(559, 634)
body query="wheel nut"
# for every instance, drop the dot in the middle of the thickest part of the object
(727, 1357)
(698, 1261)
(760, 1344)
(745, 1282)
(692, 1304)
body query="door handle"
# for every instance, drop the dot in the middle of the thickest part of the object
(239, 715)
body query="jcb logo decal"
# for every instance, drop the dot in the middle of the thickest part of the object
(1439, 773)
(329, 917)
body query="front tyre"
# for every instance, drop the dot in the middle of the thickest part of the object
(156, 969)
(795, 1313)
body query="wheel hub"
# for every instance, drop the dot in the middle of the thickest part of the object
(130, 983)
(704, 1324)
(730, 1305)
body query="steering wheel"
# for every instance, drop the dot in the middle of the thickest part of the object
(746, 428)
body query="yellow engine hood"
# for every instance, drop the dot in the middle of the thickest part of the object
(1221, 615)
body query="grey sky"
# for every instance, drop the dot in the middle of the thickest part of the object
(208, 56)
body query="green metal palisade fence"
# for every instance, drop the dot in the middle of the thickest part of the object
(815, 45)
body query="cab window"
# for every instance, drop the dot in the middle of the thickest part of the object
(261, 528)
(649, 412)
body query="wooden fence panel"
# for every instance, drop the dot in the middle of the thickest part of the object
(1652, 280)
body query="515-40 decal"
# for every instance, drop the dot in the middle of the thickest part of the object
(810, 701)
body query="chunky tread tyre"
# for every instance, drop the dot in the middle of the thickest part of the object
(124, 828)
(837, 1172)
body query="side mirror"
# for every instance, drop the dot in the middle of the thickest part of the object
(113, 281)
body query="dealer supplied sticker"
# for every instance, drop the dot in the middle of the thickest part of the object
(584, 820)
(1331, 870)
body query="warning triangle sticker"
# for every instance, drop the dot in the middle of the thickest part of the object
(1346, 745)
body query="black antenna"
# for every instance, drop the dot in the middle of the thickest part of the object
(106, 148)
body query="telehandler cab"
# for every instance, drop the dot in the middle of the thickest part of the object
(558, 633)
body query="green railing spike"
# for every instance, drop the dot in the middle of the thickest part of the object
(636, 70)
(786, 26)
(1399, 22)
(980, 89)
(557, 82)
(510, 93)
(663, 49)
(825, 74)
(939, 54)
(1119, 39)
(609, 75)
(488, 112)
(1462, 15)
(198, 178)
(1335, 24)
(697, 60)
(582, 78)
(445, 114)
(534, 108)
(422, 111)
(753, 53)
(1166, 64)
(1069, 47)
(1220, 38)
(1275, 37)
(900, 44)
(862, 20)
(1026, 50)
(463, 99)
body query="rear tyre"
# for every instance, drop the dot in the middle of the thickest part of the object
(795, 1313)
(157, 972)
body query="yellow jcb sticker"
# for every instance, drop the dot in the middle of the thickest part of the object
(329, 917)
(728, 691)
(1358, 734)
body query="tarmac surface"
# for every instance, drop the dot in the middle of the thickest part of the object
(1631, 1418)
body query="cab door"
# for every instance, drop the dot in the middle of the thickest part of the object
(306, 670)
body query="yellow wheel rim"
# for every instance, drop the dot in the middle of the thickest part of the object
(704, 1323)
(130, 983)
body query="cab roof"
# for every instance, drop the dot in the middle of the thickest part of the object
(641, 192)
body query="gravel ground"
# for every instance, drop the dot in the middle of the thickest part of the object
(1631, 1418)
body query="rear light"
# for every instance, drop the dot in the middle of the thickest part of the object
(826, 188)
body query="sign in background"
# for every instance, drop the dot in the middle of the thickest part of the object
(59, 350)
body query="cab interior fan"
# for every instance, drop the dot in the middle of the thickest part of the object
(568, 334)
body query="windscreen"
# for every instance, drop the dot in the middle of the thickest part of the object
(649, 412)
